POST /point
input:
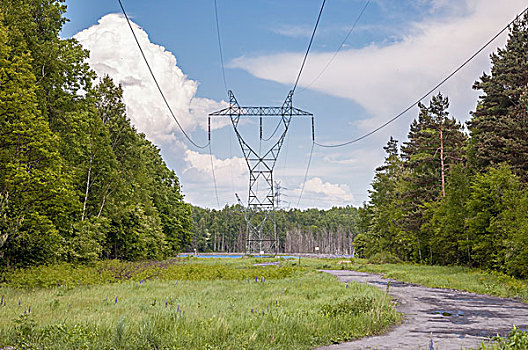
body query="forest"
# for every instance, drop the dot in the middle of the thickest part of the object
(298, 231)
(77, 181)
(457, 194)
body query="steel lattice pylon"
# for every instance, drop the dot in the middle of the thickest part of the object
(259, 214)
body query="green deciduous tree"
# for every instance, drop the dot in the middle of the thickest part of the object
(140, 186)
(34, 193)
(491, 213)
(78, 182)
(445, 221)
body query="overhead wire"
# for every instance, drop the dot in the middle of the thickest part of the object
(157, 84)
(309, 46)
(339, 48)
(295, 86)
(303, 62)
(273, 133)
(306, 173)
(428, 92)
(226, 89)
(220, 45)
(214, 177)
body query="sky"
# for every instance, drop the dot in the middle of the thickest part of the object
(396, 53)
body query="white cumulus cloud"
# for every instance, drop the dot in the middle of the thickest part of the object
(321, 194)
(114, 52)
(227, 171)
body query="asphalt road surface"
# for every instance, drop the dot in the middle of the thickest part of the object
(452, 319)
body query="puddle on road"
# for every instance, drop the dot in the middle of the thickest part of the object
(446, 313)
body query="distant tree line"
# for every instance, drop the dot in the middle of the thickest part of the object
(445, 196)
(298, 231)
(77, 181)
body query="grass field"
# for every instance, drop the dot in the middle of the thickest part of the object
(187, 304)
(194, 303)
(452, 277)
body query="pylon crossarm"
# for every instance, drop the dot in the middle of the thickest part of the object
(253, 111)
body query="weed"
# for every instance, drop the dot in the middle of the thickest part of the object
(515, 340)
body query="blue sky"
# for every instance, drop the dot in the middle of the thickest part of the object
(397, 52)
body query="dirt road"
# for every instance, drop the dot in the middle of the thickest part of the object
(453, 319)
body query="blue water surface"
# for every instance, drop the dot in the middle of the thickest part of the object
(234, 256)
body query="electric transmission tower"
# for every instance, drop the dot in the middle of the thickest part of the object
(260, 211)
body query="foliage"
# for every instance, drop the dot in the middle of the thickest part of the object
(493, 195)
(298, 230)
(34, 195)
(77, 181)
(516, 339)
(384, 258)
(499, 126)
(446, 221)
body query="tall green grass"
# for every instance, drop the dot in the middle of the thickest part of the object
(516, 339)
(452, 277)
(114, 271)
(191, 305)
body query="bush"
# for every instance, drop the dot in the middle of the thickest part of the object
(112, 271)
(384, 258)
(350, 306)
(515, 340)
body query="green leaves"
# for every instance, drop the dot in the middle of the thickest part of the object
(31, 171)
(77, 181)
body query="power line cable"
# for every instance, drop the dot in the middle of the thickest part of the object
(214, 177)
(306, 173)
(220, 45)
(225, 87)
(156, 82)
(303, 61)
(295, 86)
(429, 92)
(339, 48)
(309, 45)
(274, 132)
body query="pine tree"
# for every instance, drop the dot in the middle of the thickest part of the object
(436, 142)
(499, 125)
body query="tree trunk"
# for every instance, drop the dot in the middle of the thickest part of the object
(87, 188)
(419, 250)
(102, 205)
(442, 161)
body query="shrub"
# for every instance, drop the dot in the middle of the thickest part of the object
(384, 258)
